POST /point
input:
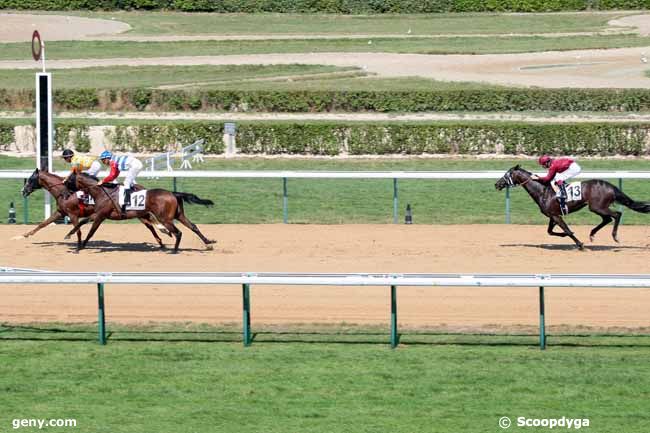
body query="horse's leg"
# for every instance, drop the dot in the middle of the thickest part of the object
(559, 221)
(190, 225)
(550, 231)
(96, 223)
(148, 225)
(75, 229)
(617, 220)
(75, 220)
(177, 233)
(56, 215)
(606, 220)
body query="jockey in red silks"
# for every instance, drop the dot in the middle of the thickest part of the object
(560, 170)
(127, 163)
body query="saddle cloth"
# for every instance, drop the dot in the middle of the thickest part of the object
(85, 198)
(574, 191)
(138, 199)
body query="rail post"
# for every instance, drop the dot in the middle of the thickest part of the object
(395, 200)
(101, 323)
(285, 201)
(247, 314)
(393, 317)
(507, 205)
(542, 331)
(174, 184)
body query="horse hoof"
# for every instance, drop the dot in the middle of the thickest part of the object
(581, 247)
(615, 239)
(67, 237)
(591, 238)
(209, 247)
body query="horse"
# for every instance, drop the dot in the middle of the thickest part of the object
(160, 205)
(68, 204)
(598, 194)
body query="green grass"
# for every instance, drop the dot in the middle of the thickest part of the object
(143, 382)
(153, 76)
(454, 45)
(327, 201)
(175, 23)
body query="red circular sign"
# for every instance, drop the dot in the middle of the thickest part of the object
(37, 48)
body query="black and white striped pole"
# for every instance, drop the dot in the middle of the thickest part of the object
(44, 124)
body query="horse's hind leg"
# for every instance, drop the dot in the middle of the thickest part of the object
(559, 221)
(550, 231)
(177, 234)
(148, 225)
(190, 225)
(606, 220)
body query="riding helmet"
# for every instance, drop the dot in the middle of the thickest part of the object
(544, 159)
(67, 153)
(105, 154)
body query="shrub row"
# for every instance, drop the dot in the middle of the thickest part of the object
(364, 138)
(141, 99)
(330, 6)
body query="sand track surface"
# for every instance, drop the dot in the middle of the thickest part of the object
(340, 248)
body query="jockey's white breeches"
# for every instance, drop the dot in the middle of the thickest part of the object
(571, 172)
(134, 169)
(95, 167)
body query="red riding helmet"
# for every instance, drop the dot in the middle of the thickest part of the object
(544, 159)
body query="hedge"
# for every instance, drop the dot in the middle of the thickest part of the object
(370, 138)
(142, 99)
(330, 6)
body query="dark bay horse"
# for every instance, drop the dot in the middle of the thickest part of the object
(599, 195)
(67, 203)
(160, 205)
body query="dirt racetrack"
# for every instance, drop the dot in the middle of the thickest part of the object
(336, 248)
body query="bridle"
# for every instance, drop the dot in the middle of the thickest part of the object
(511, 183)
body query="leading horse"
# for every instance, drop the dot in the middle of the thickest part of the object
(67, 203)
(160, 205)
(599, 195)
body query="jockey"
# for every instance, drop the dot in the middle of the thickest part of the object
(121, 163)
(81, 163)
(560, 170)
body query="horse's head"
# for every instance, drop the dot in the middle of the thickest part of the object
(513, 177)
(31, 184)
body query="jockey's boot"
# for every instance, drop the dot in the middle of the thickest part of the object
(563, 197)
(127, 201)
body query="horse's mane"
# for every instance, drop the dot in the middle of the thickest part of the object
(518, 167)
(89, 176)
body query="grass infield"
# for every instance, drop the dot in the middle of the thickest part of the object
(200, 378)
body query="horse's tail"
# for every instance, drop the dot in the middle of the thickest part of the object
(192, 199)
(639, 206)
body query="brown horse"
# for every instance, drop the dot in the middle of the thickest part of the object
(160, 205)
(599, 195)
(68, 204)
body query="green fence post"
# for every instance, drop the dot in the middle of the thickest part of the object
(542, 331)
(395, 201)
(393, 317)
(507, 205)
(285, 201)
(101, 324)
(174, 184)
(25, 210)
(247, 314)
